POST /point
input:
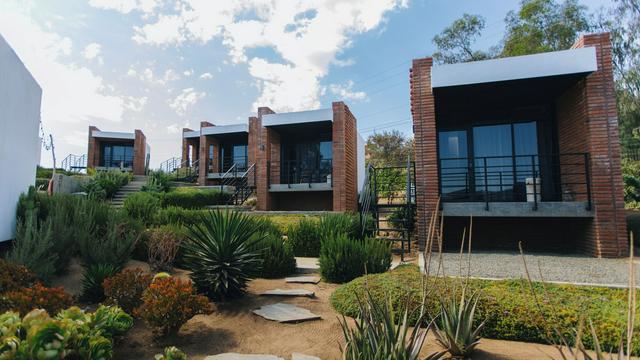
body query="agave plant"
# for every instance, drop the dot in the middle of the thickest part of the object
(455, 329)
(220, 252)
(378, 335)
(92, 280)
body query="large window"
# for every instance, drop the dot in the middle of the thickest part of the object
(115, 155)
(306, 161)
(233, 154)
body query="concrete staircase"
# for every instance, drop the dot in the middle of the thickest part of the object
(132, 187)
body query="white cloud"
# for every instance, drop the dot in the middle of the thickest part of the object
(346, 91)
(72, 96)
(307, 36)
(174, 129)
(91, 51)
(206, 76)
(182, 103)
(126, 6)
(135, 104)
(149, 76)
(187, 73)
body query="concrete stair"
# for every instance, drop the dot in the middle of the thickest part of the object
(132, 187)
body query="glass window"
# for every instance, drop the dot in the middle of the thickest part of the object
(454, 172)
(493, 150)
(525, 138)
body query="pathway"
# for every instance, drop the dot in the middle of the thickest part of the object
(132, 187)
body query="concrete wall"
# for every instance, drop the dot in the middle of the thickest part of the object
(360, 152)
(20, 97)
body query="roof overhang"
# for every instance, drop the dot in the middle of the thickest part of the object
(113, 135)
(217, 130)
(298, 117)
(565, 62)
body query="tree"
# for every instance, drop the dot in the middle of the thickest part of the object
(454, 42)
(544, 25)
(389, 148)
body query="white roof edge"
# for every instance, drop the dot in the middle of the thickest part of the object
(217, 130)
(298, 117)
(113, 135)
(564, 62)
(191, 134)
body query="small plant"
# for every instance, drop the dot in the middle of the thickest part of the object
(379, 334)
(37, 296)
(126, 287)
(142, 206)
(169, 303)
(62, 230)
(15, 276)
(94, 276)
(111, 320)
(171, 353)
(277, 257)
(111, 244)
(305, 237)
(219, 251)
(343, 259)
(33, 247)
(163, 244)
(455, 329)
(157, 181)
(194, 198)
(332, 225)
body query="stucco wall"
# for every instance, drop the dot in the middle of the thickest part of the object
(20, 97)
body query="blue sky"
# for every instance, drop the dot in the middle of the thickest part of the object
(161, 65)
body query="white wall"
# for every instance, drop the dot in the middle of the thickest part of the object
(360, 161)
(20, 97)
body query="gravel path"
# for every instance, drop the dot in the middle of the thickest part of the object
(557, 268)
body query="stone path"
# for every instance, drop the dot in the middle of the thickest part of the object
(236, 356)
(285, 313)
(288, 292)
(303, 279)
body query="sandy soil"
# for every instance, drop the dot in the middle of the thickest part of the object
(234, 328)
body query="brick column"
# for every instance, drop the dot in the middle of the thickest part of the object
(607, 236)
(425, 144)
(93, 149)
(139, 153)
(344, 173)
(203, 165)
(253, 144)
(262, 144)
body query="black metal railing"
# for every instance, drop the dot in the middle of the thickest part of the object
(75, 163)
(117, 162)
(241, 163)
(530, 178)
(291, 172)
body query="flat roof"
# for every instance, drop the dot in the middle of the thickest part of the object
(113, 135)
(565, 62)
(298, 117)
(217, 130)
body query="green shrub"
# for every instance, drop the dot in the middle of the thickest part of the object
(63, 229)
(343, 259)
(305, 237)
(220, 252)
(178, 216)
(157, 181)
(506, 306)
(33, 246)
(171, 353)
(633, 225)
(189, 198)
(277, 256)
(33, 200)
(105, 184)
(71, 334)
(163, 244)
(111, 244)
(92, 279)
(142, 206)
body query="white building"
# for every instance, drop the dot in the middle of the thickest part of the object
(20, 97)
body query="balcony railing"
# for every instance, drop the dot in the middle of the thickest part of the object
(117, 162)
(291, 172)
(521, 178)
(238, 163)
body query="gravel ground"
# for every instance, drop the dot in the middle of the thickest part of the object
(556, 268)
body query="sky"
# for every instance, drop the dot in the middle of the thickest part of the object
(161, 65)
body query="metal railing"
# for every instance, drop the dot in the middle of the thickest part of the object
(117, 162)
(75, 163)
(290, 172)
(181, 170)
(520, 178)
(171, 164)
(242, 181)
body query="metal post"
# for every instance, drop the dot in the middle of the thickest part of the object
(587, 173)
(535, 185)
(486, 185)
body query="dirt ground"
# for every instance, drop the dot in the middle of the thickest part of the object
(234, 328)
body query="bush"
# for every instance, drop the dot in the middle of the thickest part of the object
(163, 244)
(105, 184)
(277, 257)
(33, 200)
(304, 238)
(110, 244)
(633, 225)
(33, 246)
(71, 334)
(189, 198)
(506, 306)
(126, 287)
(219, 251)
(171, 353)
(178, 216)
(343, 259)
(142, 206)
(63, 229)
(92, 279)
(14, 277)
(157, 181)
(35, 297)
(169, 303)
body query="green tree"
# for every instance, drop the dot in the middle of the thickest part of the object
(455, 42)
(544, 25)
(388, 148)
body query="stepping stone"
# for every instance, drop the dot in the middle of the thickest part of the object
(303, 279)
(236, 356)
(298, 356)
(285, 313)
(288, 292)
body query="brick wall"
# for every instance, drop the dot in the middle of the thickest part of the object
(206, 163)
(344, 175)
(93, 150)
(263, 141)
(607, 236)
(139, 153)
(424, 132)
